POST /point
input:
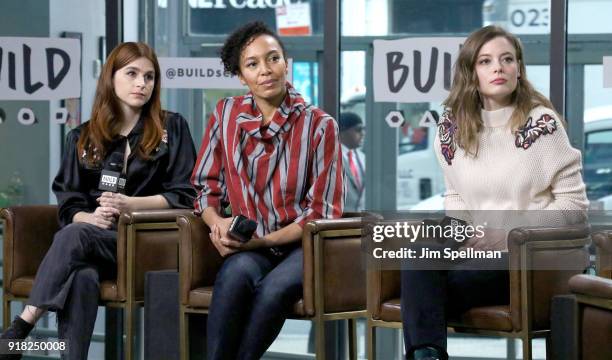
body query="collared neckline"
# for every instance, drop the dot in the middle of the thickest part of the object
(251, 118)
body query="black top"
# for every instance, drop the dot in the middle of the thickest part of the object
(167, 172)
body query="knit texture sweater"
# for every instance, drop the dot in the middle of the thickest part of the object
(532, 168)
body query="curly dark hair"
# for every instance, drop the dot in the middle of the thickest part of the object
(240, 39)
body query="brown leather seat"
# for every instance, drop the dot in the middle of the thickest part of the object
(594, 314)
(527, 314)
(146, 241)
(603, 242)
(334, 276)
(591, 313)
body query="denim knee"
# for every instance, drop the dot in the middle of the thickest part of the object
(239, 271)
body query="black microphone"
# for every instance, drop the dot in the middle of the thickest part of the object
(112, 178)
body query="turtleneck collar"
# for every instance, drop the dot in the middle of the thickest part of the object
(496, 118)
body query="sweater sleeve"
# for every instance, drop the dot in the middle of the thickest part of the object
(564, 167)
(454, 205)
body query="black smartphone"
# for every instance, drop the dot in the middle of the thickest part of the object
(242, 228)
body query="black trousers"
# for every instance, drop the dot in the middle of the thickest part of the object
(430, 297)
(68, 281)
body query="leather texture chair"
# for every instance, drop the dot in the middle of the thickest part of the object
(334, 277)
(594, 296)
(584, 326)
(603, 262)
(146, 241)
(527, 314)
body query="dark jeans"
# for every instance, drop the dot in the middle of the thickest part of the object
(253, 294)
(430, 297)
(68, 281)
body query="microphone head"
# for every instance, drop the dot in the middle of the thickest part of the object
(115, 161)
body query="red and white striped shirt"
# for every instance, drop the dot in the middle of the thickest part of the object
(289, 171)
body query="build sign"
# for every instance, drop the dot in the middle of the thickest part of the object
(414, 70)
(39, 68)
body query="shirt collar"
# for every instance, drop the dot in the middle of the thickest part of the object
(250, 118)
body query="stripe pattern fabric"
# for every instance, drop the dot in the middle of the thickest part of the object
(289, 171)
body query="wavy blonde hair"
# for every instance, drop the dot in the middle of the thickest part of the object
(464, 101)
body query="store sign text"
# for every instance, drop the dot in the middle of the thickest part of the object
(239, 4)
(414, 70)
(39, 68)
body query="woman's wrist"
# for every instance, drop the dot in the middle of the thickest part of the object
(80, 216)
(263, 241)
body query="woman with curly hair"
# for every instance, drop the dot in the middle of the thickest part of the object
(501, 146)
(277, 161)
(152, 150)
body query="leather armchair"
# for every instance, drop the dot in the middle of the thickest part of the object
(527, 314)
(603, 242)
(146, 241)
(334, 278)
(583, 327)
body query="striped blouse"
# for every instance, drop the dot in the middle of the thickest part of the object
(289, 171)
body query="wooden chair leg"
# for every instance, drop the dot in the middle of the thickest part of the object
(6, 314)
(352, 338)
(319, 338)
(371, 340)
(184, 334)
(527, 347)
(129, 331)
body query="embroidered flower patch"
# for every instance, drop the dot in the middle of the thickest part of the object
(528, 133)
(446, 130)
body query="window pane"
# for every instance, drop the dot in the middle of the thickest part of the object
(589, 105)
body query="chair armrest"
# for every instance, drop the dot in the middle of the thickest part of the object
(153, 216)
(341, 278)
(154, 246)
(603, 241)
(541, 262)
(28, 234)
(591, 286)
(199, 260)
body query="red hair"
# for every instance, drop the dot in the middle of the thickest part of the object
(107, 116)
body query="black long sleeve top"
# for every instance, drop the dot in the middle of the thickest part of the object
(167, 172)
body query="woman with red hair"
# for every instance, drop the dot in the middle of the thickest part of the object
(151, 149)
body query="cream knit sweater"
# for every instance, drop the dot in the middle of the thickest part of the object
(509, 174)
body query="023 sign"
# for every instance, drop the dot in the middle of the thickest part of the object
(529, 17)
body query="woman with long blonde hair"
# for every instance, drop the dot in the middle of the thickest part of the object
(501, 146)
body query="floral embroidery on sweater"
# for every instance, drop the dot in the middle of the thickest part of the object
(446, 129)
(528, 133)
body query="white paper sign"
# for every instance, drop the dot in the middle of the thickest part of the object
(607, 71)
(39, 68)
(414, 70)
(199, 73)
(293, 19)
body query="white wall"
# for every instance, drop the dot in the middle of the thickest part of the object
(88, 18)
